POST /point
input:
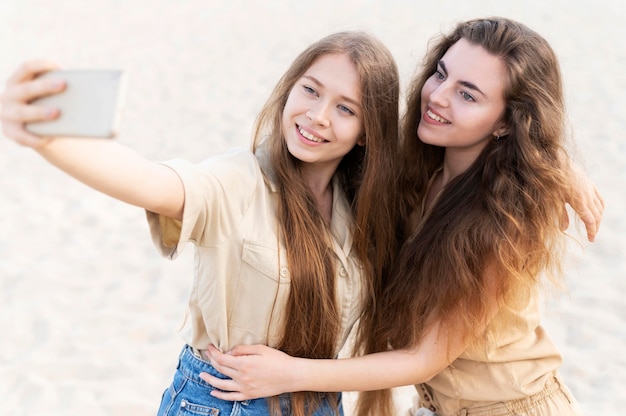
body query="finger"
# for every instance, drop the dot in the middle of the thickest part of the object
(214, 355)
(591, 233)
(231, 360)
(221, 364)
(212, 351)
(227, 364)
(221, 383)
(246, 350)
(564, 220)
(589, 222)
(228, 396)
(599, 199)
(600, 205)
(22, 113)
(225, 389)
(29, 70)
(596, 210)
(27, 91)
(21, 136)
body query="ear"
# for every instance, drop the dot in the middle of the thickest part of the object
(361, 141)
(501, 131)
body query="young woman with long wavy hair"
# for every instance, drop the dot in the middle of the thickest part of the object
(287, 235)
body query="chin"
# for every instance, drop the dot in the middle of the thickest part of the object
(423, 136)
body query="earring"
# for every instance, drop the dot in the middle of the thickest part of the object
(497, 139)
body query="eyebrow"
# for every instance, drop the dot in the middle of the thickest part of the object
(466, 84)
(343, 97)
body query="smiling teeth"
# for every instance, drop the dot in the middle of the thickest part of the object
(436, 117)
(309, 136)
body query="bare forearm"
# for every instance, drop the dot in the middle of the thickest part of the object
(382, 370)
(260, 371)
(371, 372)
(117, 171)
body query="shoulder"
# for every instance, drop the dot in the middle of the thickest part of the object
(236, 159)
(233, 173)
(236, 170)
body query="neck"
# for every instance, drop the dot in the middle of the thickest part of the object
(455, 162)
(320, 184)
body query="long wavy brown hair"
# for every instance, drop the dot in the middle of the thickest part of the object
(367, 174)
(503, 211)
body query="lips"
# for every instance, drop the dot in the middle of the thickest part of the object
(310, 136)
(434, 116)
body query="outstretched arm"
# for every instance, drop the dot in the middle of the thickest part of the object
(102, 164)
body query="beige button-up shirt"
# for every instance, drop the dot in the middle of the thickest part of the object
(241, 279)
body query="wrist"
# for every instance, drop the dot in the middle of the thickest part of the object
(299, 375)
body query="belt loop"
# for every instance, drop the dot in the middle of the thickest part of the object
(463, 412)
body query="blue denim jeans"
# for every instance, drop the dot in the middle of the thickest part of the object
(189, 395)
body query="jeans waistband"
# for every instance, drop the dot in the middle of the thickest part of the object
(191, 366)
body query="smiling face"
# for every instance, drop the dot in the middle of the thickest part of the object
(322, 119)
(463, 102)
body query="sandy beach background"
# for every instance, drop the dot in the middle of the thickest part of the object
(89, 312)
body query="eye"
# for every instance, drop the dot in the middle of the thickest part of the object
(345, 109)
(309, 90)
(467, 97)
(439, 75)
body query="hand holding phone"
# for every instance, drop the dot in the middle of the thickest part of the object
(90, 106)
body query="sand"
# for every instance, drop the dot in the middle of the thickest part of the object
(89, 312)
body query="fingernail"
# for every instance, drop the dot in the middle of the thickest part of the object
(57, 84)
(51, 112)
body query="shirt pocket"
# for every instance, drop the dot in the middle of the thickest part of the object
(261, 294)
(262, 259)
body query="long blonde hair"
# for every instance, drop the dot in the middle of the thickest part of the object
(503, 211)
(367, 176)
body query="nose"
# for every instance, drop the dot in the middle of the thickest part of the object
(440, 94)
(319, 114)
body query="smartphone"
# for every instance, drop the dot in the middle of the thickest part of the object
(90, 106)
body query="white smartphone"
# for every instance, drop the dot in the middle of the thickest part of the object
(91, 105)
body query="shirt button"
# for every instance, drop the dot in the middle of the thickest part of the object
(284, 272)
(342, 272)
